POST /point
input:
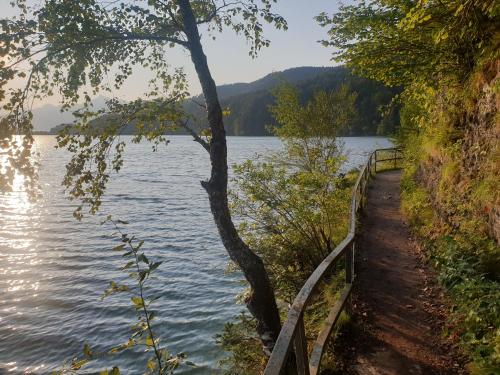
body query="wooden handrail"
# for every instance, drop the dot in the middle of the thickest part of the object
(293, 331)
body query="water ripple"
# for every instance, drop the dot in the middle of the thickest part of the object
(53, 269)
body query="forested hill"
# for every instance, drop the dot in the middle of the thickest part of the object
(248, 103)
(292, 75)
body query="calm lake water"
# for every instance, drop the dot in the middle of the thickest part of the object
(53, 269)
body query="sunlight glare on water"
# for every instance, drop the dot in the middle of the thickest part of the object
(19, 223)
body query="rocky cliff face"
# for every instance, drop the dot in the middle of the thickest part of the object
(463, 177)
(480, 149)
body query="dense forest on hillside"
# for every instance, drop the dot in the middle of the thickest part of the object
(249, 108)
(247, 104)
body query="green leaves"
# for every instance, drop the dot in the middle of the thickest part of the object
(139, 268)
(401, 42)
(142, 258)
(138, 302)
(114, 371)
(78, 364)
(114, 288)
(87, 352)
(154, 266)
(441, 51)
(128, 265)
(323, 116)
(119, 247)
(294, 204)
(143, 274)
(149, 341)
(459, 258)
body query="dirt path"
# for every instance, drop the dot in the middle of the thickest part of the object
(397, 306)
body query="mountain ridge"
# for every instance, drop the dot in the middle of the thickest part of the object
(248, 103)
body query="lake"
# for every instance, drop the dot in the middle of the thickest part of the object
(54, 269)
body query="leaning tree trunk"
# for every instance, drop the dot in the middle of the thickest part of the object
(261, 301)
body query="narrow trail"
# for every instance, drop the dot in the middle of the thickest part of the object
(397, 306)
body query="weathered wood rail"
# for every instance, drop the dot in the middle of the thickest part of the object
(293, 331)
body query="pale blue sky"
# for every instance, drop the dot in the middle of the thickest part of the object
(228, 55)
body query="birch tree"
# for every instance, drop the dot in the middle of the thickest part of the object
(69, 48)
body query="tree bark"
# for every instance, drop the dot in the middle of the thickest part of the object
(261, 302)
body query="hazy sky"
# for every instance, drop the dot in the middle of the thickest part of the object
(228, 55)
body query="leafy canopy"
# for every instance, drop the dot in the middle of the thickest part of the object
(399, 41)
(77, 49)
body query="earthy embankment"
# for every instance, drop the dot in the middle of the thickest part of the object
(398, 310)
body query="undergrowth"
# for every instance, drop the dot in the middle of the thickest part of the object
(293, 207)
(460, 259)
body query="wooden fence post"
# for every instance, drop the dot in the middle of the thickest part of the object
(348, 263)
(300, 344)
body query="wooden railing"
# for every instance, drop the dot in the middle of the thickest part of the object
(293, 330)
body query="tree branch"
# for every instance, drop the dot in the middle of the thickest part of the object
(197, 138)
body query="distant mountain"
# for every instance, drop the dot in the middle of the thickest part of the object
(248, 103)
(45, 117)
(269, 81)
(49, 115)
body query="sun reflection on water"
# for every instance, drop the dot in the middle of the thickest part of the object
(16, 240)
(18, 260)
